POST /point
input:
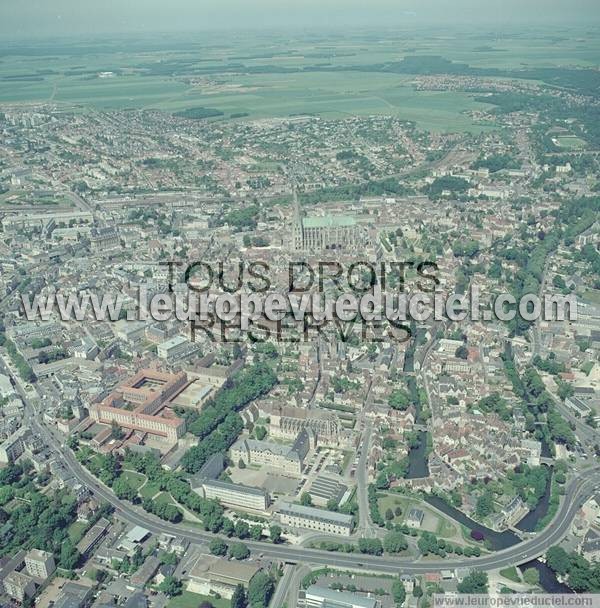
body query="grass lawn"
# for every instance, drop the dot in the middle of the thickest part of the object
(193, 600)
(76, 531)
(164, 498)
(446, 529)
(511, 574)
(391, 501)
(134, 479)
(149, 490)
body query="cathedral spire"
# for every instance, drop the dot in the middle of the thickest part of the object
(297, 214)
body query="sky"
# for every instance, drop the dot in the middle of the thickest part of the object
(35, 18)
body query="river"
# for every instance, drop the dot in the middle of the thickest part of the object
(506, 539)
(530, 521)
(418, 463)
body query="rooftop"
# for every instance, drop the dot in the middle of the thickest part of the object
(318, 514)
(340, 599)
(328, 221)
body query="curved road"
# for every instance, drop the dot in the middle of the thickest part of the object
(577, 492)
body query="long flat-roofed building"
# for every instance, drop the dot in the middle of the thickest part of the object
(211, 575)
(233, 495)
(299, 516)
(322, 597)
(139, 404)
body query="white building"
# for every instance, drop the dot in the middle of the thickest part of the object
(40, 563)
(235, 495)
(299, 516)
(12, 447)
(322, 597)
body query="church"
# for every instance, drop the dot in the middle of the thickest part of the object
(322, 233)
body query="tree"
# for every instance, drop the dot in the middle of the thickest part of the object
(218, 547)
(399, 400)
(558, 560)
(565, 390)
(115, 430)
(256, 532)
(275, 533)
(7, 493)
(123, 489)
(239, 551)
(371, 546)
(170, 586)
(428, 543)
(242, 529)
(238, 599)
(389, 514)
(260, 590)
(228, 527)
(532, 577)
(583, 578)
(306, 499)
(168, 559)
(485, 505)
(394, 542)
(475, 582)
(241, 464)
(69, 556)
(462, 352)
(398, 592)
(261, 432)
(417, 591)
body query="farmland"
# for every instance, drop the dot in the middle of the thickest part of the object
(330, 77)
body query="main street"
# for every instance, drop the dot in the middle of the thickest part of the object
(577, 492)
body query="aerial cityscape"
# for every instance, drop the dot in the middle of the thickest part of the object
(303, 314)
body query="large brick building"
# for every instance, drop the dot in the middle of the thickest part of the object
(140, 403)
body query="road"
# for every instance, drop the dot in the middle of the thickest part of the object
(586, 434)
(362, 482)
(79, 202)
(283, 586)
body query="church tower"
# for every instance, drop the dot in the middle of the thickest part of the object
(297, 224)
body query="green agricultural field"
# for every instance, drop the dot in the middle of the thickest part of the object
(332, 77)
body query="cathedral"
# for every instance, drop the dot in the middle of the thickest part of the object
(321, 233)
